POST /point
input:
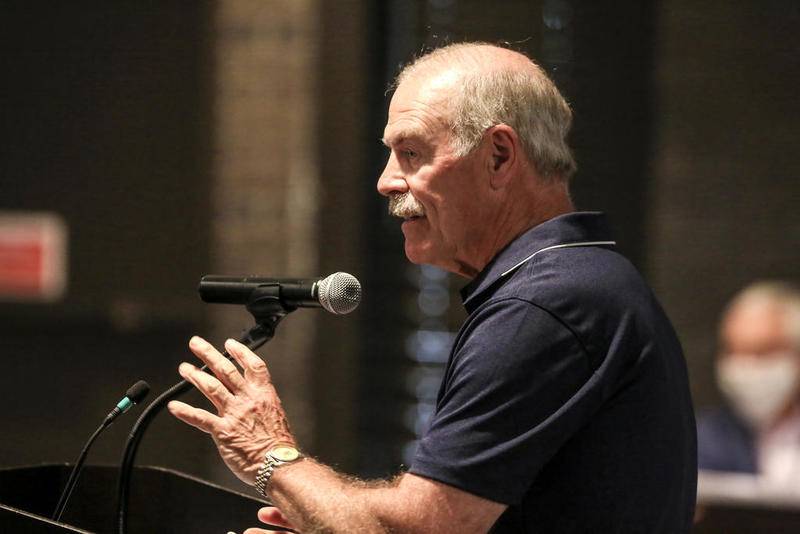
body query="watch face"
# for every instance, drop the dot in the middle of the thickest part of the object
(285, 454)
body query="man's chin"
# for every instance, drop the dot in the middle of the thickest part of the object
(416, 254)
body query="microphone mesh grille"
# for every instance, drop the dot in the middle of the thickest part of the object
(339, 293)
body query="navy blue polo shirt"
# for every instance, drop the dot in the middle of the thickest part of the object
(566, 394)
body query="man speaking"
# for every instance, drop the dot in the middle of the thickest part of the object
(565, 404)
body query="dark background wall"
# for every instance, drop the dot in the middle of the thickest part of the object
(104, 120)
(120, 117)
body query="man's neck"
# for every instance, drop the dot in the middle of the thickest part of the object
(525, 213)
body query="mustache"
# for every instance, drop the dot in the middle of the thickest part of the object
(404, 205)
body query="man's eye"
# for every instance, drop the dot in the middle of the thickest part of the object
(409, 153)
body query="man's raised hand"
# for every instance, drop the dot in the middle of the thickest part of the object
(250, 419)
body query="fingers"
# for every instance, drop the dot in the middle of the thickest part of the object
(196, 417)
(272, 516)
(255, 370)
(225, 371)
(212, 388)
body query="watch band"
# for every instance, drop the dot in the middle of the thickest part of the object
(274, 458)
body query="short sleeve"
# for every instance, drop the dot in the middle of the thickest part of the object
(513, 393)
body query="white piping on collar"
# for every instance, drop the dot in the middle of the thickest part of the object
(563, 245)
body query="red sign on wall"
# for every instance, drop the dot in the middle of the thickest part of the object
(33, 251)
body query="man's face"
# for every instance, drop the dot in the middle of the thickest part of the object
(441, 192)
(756, 329)
(758, 369)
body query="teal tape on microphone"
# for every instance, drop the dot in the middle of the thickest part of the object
(124, 404)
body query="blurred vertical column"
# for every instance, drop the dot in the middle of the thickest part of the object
(428, 347)
(266, 176)
(349, 96)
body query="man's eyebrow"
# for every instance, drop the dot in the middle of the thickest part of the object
(399, 137)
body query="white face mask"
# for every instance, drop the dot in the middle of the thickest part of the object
(759, 388)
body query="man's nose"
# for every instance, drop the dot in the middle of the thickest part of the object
(391, 179)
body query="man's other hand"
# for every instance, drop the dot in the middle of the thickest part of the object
(273, 517)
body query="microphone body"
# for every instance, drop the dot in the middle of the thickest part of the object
(298, 293)
(339, 293)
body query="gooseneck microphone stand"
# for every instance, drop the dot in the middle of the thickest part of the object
(267, 308)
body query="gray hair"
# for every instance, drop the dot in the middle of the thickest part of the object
(523, 98)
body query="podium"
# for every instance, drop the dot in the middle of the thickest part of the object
(161, 501)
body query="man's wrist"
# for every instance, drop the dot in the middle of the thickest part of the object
(275, 458)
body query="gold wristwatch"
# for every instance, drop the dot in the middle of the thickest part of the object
(275, 457)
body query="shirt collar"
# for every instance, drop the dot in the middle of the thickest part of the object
(568, 229)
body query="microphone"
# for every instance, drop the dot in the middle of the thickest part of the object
(135, 394)
(269, 300)
(339, 293)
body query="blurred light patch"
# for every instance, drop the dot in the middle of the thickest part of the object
(426, 346)
(423, 382)
(409, 450)
(433, 300)
(418, 417)
(556, 14)
(33, 256)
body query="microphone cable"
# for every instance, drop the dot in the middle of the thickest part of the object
(135, 394)
(254, 338)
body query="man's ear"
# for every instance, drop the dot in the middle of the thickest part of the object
(504, 145)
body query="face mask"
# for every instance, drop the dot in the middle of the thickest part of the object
(759, 388)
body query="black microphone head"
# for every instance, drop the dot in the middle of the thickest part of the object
(137, 392)
(339, 293)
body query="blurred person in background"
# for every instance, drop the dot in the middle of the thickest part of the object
(758, 372)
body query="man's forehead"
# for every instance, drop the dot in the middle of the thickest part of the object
(756, 319)
(419, 108)
(429, 85)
